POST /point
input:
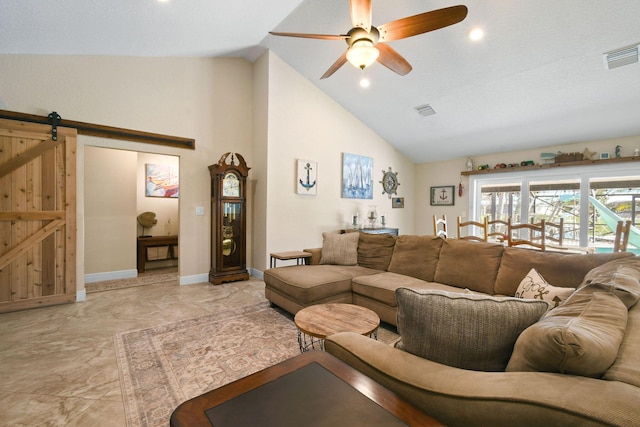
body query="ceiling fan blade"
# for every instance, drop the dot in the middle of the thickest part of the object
(393, 60)
(339, 63)
(361, 13)
(311, 36)
(422, 23)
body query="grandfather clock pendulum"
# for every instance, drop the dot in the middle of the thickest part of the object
(228, 219)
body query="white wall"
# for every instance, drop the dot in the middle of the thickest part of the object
(448, 173)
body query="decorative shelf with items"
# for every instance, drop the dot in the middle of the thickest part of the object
(530, 165)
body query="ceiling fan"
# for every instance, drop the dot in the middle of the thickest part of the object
(367, 43)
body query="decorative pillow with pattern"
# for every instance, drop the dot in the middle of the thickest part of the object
(340, 249)
(533, 286)
(464, 330)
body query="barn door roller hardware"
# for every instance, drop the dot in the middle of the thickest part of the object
(54, 118)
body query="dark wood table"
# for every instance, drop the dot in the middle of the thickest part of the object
(276, 397)
(149, 242)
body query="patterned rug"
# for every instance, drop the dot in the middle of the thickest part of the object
(161, 367)
(109, 285)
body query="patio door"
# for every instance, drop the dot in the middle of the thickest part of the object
(37, 215)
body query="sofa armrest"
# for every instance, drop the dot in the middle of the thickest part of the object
(461, 397)
(316, 255)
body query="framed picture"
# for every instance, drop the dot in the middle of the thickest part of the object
(397, 202)
(357, 176)
(443, 196)
(161, 181)
(307, 177)
(604, 155)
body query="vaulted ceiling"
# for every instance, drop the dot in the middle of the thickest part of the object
(537, 79)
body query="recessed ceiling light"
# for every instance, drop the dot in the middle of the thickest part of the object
(476, 34)
(364, 82)
(163, 1)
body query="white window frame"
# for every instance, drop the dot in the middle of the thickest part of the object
(582, 173)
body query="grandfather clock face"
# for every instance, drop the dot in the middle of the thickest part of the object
(230, 185)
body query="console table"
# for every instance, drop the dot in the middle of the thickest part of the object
(385, 230)
(154, 241)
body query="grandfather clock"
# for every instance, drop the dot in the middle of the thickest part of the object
(228, 219)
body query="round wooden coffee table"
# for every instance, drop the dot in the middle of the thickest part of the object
(317, 322)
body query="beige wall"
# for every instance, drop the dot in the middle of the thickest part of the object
(208, 99)
(448, 173)
(110, 210)
(304, 123)
(114, 195)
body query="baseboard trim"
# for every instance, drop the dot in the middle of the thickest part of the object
(256, 273)
(196, 278)
(110, 275)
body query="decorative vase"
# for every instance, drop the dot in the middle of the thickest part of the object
(372, 216)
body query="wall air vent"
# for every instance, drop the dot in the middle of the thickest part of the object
(619, 57)
(425, 110)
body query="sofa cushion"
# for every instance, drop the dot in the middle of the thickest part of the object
(533, 286)
(381, 287)
(307, 284)
(416, 256)
(467, 264)
(561, 269)
(339, 249)
(626, 368)
(581, 337)
(622, 274)
(375, 250)
(464, 330)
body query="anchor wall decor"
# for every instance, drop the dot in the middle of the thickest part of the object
(307, 177)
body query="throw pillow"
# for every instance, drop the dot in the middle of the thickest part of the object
(581, 337)
(533, 286)
(339, 249)
(464, 330)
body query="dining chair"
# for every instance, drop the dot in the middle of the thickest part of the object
(554, 232)
(497, 230)
(622, 236)
(472, 226)
(440, 226)
(536, 236)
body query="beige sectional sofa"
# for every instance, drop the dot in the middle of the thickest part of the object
(551, 377)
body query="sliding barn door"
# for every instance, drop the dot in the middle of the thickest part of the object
(37, 216)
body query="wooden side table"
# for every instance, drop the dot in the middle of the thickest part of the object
(150, 242)
(317, 322)
(299, 256)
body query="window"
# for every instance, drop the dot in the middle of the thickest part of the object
(612, 192)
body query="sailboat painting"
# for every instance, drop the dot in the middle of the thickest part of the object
(357, 176)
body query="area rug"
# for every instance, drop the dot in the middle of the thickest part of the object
(109, 285)
(161, 367)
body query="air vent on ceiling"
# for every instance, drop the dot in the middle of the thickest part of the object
(619, 57)
(425, 110)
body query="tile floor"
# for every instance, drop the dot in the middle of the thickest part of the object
(58, 365)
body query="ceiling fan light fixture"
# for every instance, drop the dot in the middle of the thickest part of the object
(362, 54)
